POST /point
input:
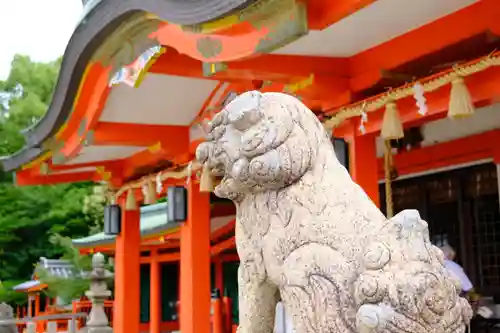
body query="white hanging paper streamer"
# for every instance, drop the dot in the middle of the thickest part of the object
(418, 94)
(189, 173)
(144, 190)
(159, 184)
(364, 119)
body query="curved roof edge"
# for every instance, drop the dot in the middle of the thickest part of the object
(103, 18)
(100, 19)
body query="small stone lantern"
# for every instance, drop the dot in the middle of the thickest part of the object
(7, 314)
(97, 321)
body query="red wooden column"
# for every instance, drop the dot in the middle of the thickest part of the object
(155, 294)
(363, 162)
(219, 276)
(195, 264)
(496, 160)
(126, 315)
(37, 304)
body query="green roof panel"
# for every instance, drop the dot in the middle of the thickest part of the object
(153, 221)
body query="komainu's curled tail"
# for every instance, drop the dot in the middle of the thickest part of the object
(306, 233)
(404, 286)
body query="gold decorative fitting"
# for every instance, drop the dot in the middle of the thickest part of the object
(150, 194)
(155, 148)
(130, 203)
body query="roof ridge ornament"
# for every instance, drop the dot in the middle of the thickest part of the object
(134, 73)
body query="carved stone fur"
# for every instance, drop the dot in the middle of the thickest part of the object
(310, 236)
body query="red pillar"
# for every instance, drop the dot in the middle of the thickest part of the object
(127, 273)
(219, 276)
(195, 264)
(496, 160)
(37, 304)
(363, 162)
(155, 294)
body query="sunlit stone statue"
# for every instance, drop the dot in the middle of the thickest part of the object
(308, 235)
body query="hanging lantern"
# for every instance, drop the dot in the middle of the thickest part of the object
(177, 204)
(206, 180)
(112, 219)
(392, 128)
(461, 105)
(130, 203)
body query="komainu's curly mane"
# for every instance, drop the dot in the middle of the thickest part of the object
(306, 233)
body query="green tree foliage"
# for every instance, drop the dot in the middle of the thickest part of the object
(69, 289)
(30, 216)
(64, 288)
(26, 94)
(93, 206)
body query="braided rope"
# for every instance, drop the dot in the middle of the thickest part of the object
(388, 163)
(429, 84)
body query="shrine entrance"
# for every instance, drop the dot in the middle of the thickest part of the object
(463, 206)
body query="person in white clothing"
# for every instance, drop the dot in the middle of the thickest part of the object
(455, 269)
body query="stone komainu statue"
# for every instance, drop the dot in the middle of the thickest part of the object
(6, 313)
(308, 235)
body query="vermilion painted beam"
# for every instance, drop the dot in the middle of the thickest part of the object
(26, 178)
(223, 231)
(94, 73)
(222, 246)
(471, 21)
(139, 135)
(68, 167)
(264, 67)
(323, 13)
(148, 157)
(465, 150)
(94, 105)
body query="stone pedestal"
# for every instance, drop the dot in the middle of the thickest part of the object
(52, 327)
(97, 321)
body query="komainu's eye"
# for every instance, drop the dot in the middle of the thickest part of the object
(253, 138)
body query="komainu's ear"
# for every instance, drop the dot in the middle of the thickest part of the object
(244, 111)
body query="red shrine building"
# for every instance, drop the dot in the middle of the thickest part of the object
(408, 89)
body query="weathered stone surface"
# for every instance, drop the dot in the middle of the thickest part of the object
(6, 313)
(308, 235)
(97, 321)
